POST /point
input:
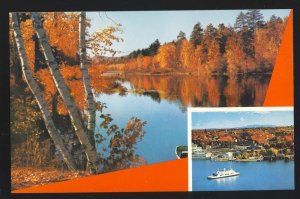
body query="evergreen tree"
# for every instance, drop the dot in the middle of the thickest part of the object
(222, 34)
(154, 47)
(240, 22)
(150, 51)
(254, 20)
(196, 35)
(248, 42)
(181, 35)
(210, 34)
(273, 22)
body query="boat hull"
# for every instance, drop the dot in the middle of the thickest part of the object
(217, 177)
(179, 150)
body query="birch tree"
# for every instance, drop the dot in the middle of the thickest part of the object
(75, 115)
(89, 98)
(36, 91)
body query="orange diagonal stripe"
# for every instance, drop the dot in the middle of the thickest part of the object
(281, 88)
(166, 176)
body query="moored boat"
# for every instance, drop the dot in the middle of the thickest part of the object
(181, 152)
(198, 152)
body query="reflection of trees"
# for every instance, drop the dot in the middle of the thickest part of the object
(261, 88)
(202, 91)
(188, 90)
(213, 92)
(232, 92)
(155, 96)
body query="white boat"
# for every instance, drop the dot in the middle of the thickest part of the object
(198, 152)
(223, 174)
(181, 151)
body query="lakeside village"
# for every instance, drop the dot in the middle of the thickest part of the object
(241, 144)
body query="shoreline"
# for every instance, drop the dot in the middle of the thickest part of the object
(123, 73)
(244, 160)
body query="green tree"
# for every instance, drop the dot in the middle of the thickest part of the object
(210, 34)
(254, 20)
(222, 35)
(180, 36)
(153, 48)
(240, 22)
(196, 35)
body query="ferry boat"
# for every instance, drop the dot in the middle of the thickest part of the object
(223, 174)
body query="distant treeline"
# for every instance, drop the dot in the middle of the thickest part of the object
(250, 46)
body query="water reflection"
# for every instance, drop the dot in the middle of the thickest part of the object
(200, 91)
(227, 181)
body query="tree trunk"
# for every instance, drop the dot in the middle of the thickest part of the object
(86, 80)
(80, 129)
(53, 131)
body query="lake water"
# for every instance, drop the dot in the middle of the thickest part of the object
(166, 124)
(162, 102)
(278, 175)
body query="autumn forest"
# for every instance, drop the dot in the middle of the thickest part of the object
(250, 46)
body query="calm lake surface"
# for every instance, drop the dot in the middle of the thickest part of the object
(278, 175)
(162, 101)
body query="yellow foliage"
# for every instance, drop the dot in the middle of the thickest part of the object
(166, 56)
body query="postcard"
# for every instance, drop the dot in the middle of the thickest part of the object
(129, 101)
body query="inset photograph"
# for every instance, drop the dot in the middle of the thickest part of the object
(241, 149)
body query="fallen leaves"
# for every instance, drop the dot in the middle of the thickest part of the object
(24, 177)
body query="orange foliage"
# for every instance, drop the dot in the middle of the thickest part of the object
(267, 42)
(73, 79)
(221, 50)
(288, 138)
(27, 30)
(147, 62)
(226, 138)
(213, 63)
(166, 56)
(186, 54)
(234, 55)
(198, 60)
(62, 31)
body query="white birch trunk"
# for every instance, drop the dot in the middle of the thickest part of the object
(36, 91)
(89, 97)
(75, 115)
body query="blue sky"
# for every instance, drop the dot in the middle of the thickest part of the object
(207, 120)
(141, 28)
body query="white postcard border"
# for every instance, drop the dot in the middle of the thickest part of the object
(219, 109)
